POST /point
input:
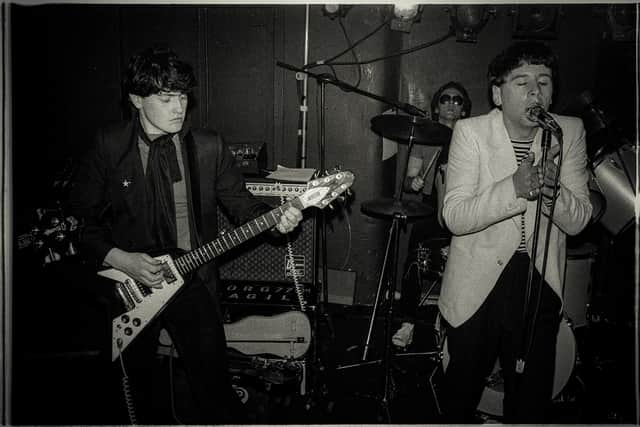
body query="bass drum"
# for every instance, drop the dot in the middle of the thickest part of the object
(493, 394)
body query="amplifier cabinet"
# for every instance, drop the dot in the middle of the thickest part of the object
(268, 294)
(265, 258)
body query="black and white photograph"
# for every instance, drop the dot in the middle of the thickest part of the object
(260, 213)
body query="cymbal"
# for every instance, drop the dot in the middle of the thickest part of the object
(400, 128)
(389, 207)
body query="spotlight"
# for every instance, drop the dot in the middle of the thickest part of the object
(404, 16)
(333, 11)
(622, 22)
(467, 21)
(536, 22)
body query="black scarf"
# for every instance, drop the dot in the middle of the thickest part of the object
(162, 172)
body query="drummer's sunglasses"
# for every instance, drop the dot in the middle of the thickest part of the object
(456, 99)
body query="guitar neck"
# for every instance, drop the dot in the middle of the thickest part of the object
(229, 240)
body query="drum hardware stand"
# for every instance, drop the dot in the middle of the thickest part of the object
(400, 212)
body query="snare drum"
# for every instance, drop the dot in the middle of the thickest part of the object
(493, 393)
(615, 179)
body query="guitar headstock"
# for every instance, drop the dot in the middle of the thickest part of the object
(324, 190)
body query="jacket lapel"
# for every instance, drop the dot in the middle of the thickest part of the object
(192, 171)
(129, 177)
(503, 161)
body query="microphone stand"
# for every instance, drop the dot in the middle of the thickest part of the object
(529, 323)
(323, 80)
(328, 78)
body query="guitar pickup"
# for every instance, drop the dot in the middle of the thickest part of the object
(134, 290)
(168, 275)
(125, 297)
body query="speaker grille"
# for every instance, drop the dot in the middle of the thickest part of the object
(264, 258)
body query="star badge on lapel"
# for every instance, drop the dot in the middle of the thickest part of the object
(126, 183)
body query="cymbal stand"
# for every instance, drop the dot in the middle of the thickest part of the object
(395, 236)
(393, 243)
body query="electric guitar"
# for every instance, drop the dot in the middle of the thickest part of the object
(143, 304)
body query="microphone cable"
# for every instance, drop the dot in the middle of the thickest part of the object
(401, 52)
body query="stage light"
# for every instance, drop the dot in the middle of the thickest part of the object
(333, 11)
(622, 22)
(404, 15)
(467, 21)
(536, 21)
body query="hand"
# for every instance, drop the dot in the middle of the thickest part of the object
(289, 220)
(549, 173)
(417, 183)
(139, 266)
(526, 179)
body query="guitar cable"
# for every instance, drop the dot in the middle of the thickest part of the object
(128, 396)
(299, 288)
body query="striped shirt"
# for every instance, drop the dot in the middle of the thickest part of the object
(521, 150)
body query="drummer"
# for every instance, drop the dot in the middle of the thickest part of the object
(425, 174)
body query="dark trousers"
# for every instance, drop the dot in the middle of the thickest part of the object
(496, 331)
(194, 321)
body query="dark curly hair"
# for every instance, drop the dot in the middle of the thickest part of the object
(155, 70)
(435, 100)
(521, 53)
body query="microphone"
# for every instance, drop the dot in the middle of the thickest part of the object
(537, 114)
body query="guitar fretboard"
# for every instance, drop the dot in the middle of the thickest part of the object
(227, 241)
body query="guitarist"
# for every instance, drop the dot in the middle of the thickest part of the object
(151, 184)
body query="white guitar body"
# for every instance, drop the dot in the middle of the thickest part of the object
(143, 304)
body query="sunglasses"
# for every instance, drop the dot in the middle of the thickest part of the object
(456, 99)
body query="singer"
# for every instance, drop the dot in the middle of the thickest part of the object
(493, 181)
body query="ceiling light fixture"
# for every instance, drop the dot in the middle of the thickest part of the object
(404, 16)
(333, 11)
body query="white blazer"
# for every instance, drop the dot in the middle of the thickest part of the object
(483, 213)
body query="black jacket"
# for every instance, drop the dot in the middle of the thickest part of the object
(109, 192)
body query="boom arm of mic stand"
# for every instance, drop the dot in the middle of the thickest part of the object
(328, 78)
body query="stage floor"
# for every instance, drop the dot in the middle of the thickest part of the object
(68, 390)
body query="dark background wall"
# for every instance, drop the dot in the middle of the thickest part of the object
(67, 62)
